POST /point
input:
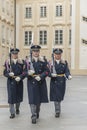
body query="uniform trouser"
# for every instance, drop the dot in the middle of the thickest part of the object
(35, 109)
(12, 108)
(57, 107)
(38, 108)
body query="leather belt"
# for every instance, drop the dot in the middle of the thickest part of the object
(14, 77)
(60, 75)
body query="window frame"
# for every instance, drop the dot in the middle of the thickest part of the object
(28, 12)
(43, 11)
(43, 37)
(28, 38)
(58, 36)
(70, 34)
(59, 10)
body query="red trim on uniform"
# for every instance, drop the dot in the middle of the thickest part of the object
(23, 73)
(46, 73)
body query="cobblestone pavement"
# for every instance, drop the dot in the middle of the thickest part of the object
(73, 116)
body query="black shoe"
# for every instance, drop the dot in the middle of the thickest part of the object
(17, 111)
(33, 119)
(38, 110)
(57, 115)
(37, 115)
(12, 116)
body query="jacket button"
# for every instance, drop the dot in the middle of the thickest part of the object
(55, 81)
(33, 82)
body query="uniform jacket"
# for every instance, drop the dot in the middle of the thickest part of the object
(37, 90)
(58, 84)
(15, 89)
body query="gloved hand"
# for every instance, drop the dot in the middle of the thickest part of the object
(17, 79)
(31, 72)
(69, 77)
(53, 75)
(38, 78)
(11, 74)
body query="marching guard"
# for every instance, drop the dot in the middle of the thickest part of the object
(14, 72)
(37, 71)
(59, 71)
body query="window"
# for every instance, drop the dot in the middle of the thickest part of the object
(12, 11)
(0, 33)
(43, 11)
(3, 5)
(70, 10)
(58, 10)
(84, 41)
(70, 37)
(43, 37)
(28, 37)
(28, 13)
(84, 19)
(3, 34)
(58, 37)
(7, 7)
(8, 36)
(12, 37)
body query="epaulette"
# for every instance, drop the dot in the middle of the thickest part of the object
(50, 63)
(41, 58)
(7, 61)
(63, 61)
(20, 61)
(28, 60)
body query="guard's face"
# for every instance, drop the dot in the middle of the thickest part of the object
(14, 56)
(35, 53)
(57, 56)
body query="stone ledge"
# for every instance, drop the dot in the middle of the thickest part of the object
(4, 105)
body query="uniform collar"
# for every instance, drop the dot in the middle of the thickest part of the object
(14, 61)
(58, 61)
(35, 59)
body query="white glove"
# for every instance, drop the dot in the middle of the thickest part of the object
(31, 72)
(17, 79)
(11, 74)
(69, 77)
(38, 78)
(54, 75)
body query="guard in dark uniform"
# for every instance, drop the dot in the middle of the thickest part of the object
(14, 72)
(59, 72)
(37, 71)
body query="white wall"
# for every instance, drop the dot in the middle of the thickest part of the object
(83, 35)
(17, 25)
(73, 36)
